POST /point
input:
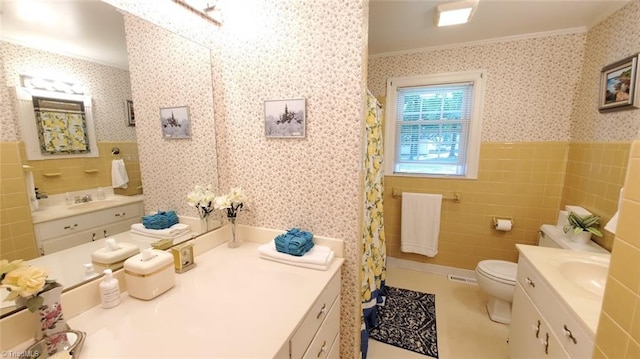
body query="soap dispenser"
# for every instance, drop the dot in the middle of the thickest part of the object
(109, 290)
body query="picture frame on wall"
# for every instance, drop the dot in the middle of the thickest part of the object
(618, 84)
(130, 115)
(285, 118)
(175, 122)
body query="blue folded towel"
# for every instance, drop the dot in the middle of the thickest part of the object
(160, 220)
(294, 242)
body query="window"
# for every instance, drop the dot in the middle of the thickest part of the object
(434, 124)
(56, 125)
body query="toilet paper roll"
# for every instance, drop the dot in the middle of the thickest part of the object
(503, 225)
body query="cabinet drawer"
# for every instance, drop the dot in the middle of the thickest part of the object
(321, 344)
(334, 352)
(557, 314)
(532, 282)
(314, 318)
(73, 224)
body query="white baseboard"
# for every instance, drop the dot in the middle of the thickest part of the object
(468, 275)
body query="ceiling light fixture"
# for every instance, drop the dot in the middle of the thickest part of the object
(455, 13)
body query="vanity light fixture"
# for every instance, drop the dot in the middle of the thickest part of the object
(455, 13)
(208, 9)
(38, 83)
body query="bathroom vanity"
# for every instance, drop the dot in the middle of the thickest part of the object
(557, 302)
(231, 305)
(62, 226)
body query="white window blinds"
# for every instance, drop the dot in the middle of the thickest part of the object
(432, 128)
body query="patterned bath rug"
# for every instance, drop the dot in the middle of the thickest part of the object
(408, 320)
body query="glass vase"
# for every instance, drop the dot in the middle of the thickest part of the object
(204, 224)
(234, 242)
(49, 317)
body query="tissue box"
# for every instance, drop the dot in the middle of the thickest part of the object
(147, 279)
(112, 259)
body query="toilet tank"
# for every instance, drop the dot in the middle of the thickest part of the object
(553, 236)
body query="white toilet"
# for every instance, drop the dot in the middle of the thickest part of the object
(498, 278)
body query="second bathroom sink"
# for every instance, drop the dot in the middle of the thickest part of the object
(586, 272)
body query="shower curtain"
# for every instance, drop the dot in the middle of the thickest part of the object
(374, 254)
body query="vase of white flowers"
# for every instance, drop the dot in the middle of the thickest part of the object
(230, 204)
(29, 285)
(202, 198)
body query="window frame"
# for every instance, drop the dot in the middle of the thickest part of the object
(478, 78)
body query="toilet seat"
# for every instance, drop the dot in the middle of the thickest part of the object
(500, 271)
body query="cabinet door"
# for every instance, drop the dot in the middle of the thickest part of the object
(529, 334)
(525, 329)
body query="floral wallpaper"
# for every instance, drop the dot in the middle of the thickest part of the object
(167, 70)
(530, 83)
(108, 87)
(274, 49)
(266, 49)
(615, 38)
(8, 126)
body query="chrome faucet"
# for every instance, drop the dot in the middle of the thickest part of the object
(40, 195)
(83, 199)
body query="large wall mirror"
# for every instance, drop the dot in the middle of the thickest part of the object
(80, 41)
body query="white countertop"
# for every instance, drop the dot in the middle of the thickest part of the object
(585, 305)
(232, 304)
(60, 210)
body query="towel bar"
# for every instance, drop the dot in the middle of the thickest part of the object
(396, 192)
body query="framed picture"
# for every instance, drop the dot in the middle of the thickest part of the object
(175, 122)
(131, 119)
(285, 118)
(618, 83)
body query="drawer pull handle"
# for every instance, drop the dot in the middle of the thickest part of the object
(121, 214)
(70, 226)
(93, 237)
(322, 311)
(537, 328)
(322, 348)
(530, 282)
(546, 344)
(568, 333)
(105, 233)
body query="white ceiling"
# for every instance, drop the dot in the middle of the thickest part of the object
(91, 29)
(88, 29)
(401, 25)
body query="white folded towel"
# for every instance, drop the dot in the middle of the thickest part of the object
(174, 231)
(119, 177)
(420, 223)
(318, 257)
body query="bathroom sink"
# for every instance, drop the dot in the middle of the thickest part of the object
(586, 272)
(94, 204)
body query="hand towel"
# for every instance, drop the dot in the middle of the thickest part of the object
(160, 220)
(119, 177)
(319, 257)
(420, 225)
(31, 191)
(171, 232)
(300, 264)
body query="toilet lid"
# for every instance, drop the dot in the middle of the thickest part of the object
(499, 269)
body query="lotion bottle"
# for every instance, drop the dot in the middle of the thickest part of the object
(109, 290)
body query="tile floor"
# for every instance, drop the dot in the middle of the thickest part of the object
(464, 329)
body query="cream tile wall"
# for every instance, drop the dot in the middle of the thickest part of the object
(594, 175)
(521, 180)
(17, 239)
(618, 334)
